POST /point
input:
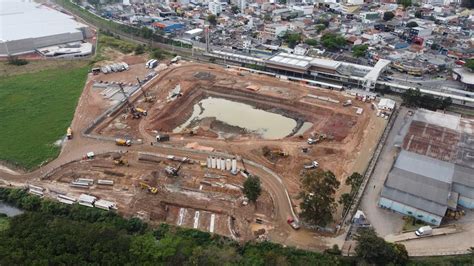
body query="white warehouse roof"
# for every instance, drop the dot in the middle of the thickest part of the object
(23, 19)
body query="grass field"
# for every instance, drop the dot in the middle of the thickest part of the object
(35, 111)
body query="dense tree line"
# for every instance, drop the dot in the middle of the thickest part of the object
(414, 98)
(51, 233)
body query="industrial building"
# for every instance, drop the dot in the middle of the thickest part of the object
(27, 26)
(434, 170)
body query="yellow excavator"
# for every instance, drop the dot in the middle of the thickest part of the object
(153, 190)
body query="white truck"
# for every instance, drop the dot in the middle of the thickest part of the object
(313, 165)
(424, 231)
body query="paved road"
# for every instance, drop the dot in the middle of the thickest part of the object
(385, 222)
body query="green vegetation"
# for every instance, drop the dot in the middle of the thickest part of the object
(14, 60)
(333, 41)
(292, 38)
(4, 222)
(311, 42)
(318, 204)
(51, 233)
(212, 19)
(411, 224)
(235, 9)
(470, 64)
(254, 66)
(388, 16)
(375, 250)
(252, 188)
(404, 3)
(118, 44)
(412, 24)
(354, 180)
(413, 98)
(359, 50)
(36, 109)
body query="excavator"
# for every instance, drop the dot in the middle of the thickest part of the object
(148, 98)
(151, 189)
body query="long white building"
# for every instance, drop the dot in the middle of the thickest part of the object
(26, 26)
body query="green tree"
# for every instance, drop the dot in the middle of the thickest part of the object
(212, 19)
(354, 180)
(359, 50)
(375, 250)
(412, 24)
(157, 53)
(311, 42)
(318, 203)
(333, 41)
(252, 188)
(404, 3)
(267, 17)
(140, 49)
(292, 39)
(434, 46)
(320, 27)
(345, 201)
(470, 64)
(235, 9)
(388, 15)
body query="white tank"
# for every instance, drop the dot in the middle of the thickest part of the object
(234, 165)
(213, 163)
(209, 162)
(222, 164)
(218, 163)
(228, 164)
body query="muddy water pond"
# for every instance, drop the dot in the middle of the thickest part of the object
(266, 124)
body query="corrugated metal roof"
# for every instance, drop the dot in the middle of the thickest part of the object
(418, 185)
(414, 201)
(425, 166)
(464, 176)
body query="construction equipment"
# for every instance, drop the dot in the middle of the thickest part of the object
(245, 172)
(313, 165)
(170, 170)
(148, 98)
(123, 142)
(121, 162)
(136, 112)
(151, 189)
(315, 139)
(69, 133)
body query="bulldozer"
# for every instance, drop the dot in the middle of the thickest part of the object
(121, 162)
(151, 189)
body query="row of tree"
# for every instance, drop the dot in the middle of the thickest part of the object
(414, 98)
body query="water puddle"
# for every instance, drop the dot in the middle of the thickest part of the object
(267, 124)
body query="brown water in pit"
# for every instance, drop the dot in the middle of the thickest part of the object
(266, 124)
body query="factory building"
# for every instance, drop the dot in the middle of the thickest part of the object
(27, 26)
(434, 171)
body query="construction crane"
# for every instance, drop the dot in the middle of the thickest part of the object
(148, 98)
(136, 112)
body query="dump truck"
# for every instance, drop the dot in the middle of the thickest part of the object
(162, 137)
(424, 231)
(123, 142)
(69, 133)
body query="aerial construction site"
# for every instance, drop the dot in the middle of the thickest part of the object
(174, 143)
